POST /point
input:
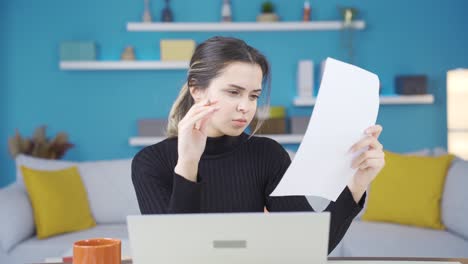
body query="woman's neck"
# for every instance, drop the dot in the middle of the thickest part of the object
(223, 143)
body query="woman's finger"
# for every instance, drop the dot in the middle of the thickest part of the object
(370, 154)
(203, 121)
(368, 141)
(372, 163)
(191, 122)
(199, 107)
(374, 131)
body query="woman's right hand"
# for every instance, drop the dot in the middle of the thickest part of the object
(192, 135)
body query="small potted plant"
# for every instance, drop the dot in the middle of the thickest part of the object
(268, 13)
(40, 145)
(348, 14)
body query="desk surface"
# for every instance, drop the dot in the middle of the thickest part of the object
(348, 260)
(441, 260)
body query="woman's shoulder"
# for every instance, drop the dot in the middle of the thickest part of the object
(267, 144)
(162, 149)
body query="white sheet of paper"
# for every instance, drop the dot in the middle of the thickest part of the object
(347, 103)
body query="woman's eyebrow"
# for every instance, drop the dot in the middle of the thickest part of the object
(242, 88)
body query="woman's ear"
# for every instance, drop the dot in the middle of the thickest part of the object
(196, 93)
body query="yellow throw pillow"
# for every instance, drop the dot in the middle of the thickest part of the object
(59, 201)
(408, 191)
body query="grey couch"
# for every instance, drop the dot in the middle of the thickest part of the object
(19, 245)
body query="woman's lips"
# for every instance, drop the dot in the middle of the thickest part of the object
(239, 122)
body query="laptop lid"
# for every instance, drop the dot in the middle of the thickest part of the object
(247, 238)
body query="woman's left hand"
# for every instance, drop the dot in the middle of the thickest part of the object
(369, 163)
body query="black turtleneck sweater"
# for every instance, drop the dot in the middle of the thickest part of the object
(235, 174)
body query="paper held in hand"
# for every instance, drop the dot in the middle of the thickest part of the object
(347, 103)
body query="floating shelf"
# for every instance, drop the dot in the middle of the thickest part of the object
(144, 141)
(280, 138)
(384, 100)
(458, 130)
(242, 26)
(123, 65)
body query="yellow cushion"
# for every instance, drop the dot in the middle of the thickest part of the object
(59, 201)
(408, 191)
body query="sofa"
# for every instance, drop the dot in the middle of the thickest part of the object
(111, 198)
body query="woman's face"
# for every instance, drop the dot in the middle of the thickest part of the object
(236, 89)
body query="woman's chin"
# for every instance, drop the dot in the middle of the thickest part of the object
(234, 132)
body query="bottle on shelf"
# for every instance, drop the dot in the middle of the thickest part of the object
(166, 15)
(306, 11)
(226, 15)
(147, 13)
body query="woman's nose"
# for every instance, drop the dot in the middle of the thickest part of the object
(243, 107)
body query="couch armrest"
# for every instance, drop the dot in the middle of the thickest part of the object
(454, 205)
(16, 216)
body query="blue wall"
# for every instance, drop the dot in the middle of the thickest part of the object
(99, 110)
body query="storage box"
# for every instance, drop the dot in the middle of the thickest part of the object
(177, 50)
(270, 126)
(77, 51)
(299, 124)
(152, 127)
(411, 84)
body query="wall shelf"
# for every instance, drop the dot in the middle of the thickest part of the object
(297, 138)
(242, 26)
(123, 65)
(281, 138)
(144, 141)
(384, 100)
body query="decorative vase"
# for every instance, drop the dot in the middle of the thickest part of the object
(166, 15)
(128, 54)
(147, 13)
(226, 15)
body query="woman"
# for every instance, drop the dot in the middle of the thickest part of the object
(208, 164)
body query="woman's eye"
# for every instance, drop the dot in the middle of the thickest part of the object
(233, 92)
(254, 96)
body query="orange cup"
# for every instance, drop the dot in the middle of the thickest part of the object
(97, 251)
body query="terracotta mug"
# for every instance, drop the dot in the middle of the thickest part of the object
(97, 251)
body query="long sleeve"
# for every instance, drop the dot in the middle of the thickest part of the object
(159, 189)
(343, 211)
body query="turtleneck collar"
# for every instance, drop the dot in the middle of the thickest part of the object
(223, 144)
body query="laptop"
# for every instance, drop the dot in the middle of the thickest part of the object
(237, 238)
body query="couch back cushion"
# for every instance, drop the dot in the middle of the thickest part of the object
(454, 200)
(110, 189)
(38, 164)
(108, 184)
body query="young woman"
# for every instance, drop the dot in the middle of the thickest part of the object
(209, 164)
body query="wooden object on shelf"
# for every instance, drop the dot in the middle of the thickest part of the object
(270, 126)
(128, 54)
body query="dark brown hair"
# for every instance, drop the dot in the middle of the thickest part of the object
(208, 61)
